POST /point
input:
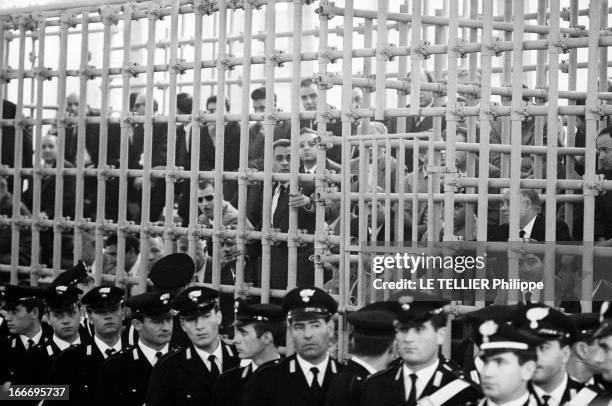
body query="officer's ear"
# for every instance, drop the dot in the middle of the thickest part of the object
(331, 326)
(441, 335)
(566, 351)
(581, 349)
(137, 324)
(267, 338)
(528, 369)
(218, 316)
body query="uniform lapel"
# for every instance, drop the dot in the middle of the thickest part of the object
(230, 357)
(296, 379)
(193, 364)
(330, 372)
(437, 380)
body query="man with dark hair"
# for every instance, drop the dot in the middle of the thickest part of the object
(302, 379)
(7, 140)
(371, 343)
(23, 307)
(124, 377)
(603, 201)
(132, 249)
(310, 97)
(78, 366)
(421, 329)
(602, 359)
(551, 383)
(581, 366)
(259, 332)
(186, 377)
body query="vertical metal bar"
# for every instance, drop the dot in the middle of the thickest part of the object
(415, 60)
(2, 85)
(591, 117)
(82, 133)
(19, 126)
(270, 21)
(538, 160)
(402, 70)
(367, 68)
(244, 138)
(551, 155)
(109, 17)
(36, 195)
(295, 141)
(603, 57)
(485, 135)
(363, 224)
(516, 119)
(381, 59)
(506, 81)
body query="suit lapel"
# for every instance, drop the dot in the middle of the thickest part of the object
(230, 359)
(296, 379)
(193, 364)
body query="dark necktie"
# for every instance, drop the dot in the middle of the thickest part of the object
(30, 343)
(158, 355)
(522, 234)
(315, 381)
(412, 395)
(545, 400)
(528, 299)
(283, 201)
(109, 352)
(214, 369)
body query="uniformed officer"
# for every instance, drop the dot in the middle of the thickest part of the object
(302, 379)
(551, 383)
(422, 374)
(24, 308)
(123, 378)
(603, 354)
(259, 330)
(78, 366)
(63, 314)
(186, 377)
(509, 361)
(371, 343)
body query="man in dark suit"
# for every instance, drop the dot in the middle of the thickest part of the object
(372, 348)
(24, 308)
(186, 377)
(603, 202)
(551, 383)
(421, 324)
(124, 377)
(7, 157)
(282, 201)
(302, 379)
(260, 329)
(64, 316)
(78, 366)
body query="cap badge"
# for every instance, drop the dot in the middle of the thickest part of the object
(104, 291)
(165, 298)
(236, 306)
(306, 294)
(194, 295)
(604, 308)
(487, 329)
(61, 289)
(405, 301)
(536, 314)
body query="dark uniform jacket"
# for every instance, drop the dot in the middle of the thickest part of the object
(77, 367)
(13, 354)
(344, 389)
(37, 363)
(123, 378)
(387, 387)
(582, 393)
(285, 385)
(229, 387)
(182, 378)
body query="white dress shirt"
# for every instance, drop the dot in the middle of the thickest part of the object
(63, 344)
(218, 353)
(306, 366)
(364, 364)
(36, 339)
(517, 402)
(528, 227)
(423, 377)
(149, 352)
(312, 170)
(555, 396)
(102, 346)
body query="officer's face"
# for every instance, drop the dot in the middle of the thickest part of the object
(419, 345)
(108, 322)
(247, 343)
(154, 332)
(19, 320)
(311, 337)
(65, 323)
(603, 357)
(552, 359)
(203, 329)
(502, 378)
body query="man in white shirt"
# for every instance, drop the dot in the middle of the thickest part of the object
(124, 378)
(259, 330)
(302, 379)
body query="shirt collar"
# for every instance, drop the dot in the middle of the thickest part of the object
(312, 170)
(364, 364)
(102, 346)
(556, 394)
(218, 353)
(528, 227)
(517, 402)
(149, 352)
(423, 375)
(63, 344)
(306, 366)
(36, 338)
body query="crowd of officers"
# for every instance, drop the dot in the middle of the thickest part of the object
(524, 354)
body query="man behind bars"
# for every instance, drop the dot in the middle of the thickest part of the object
(302, 379)
(260, 329)
(186, 376)
(421, 330)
